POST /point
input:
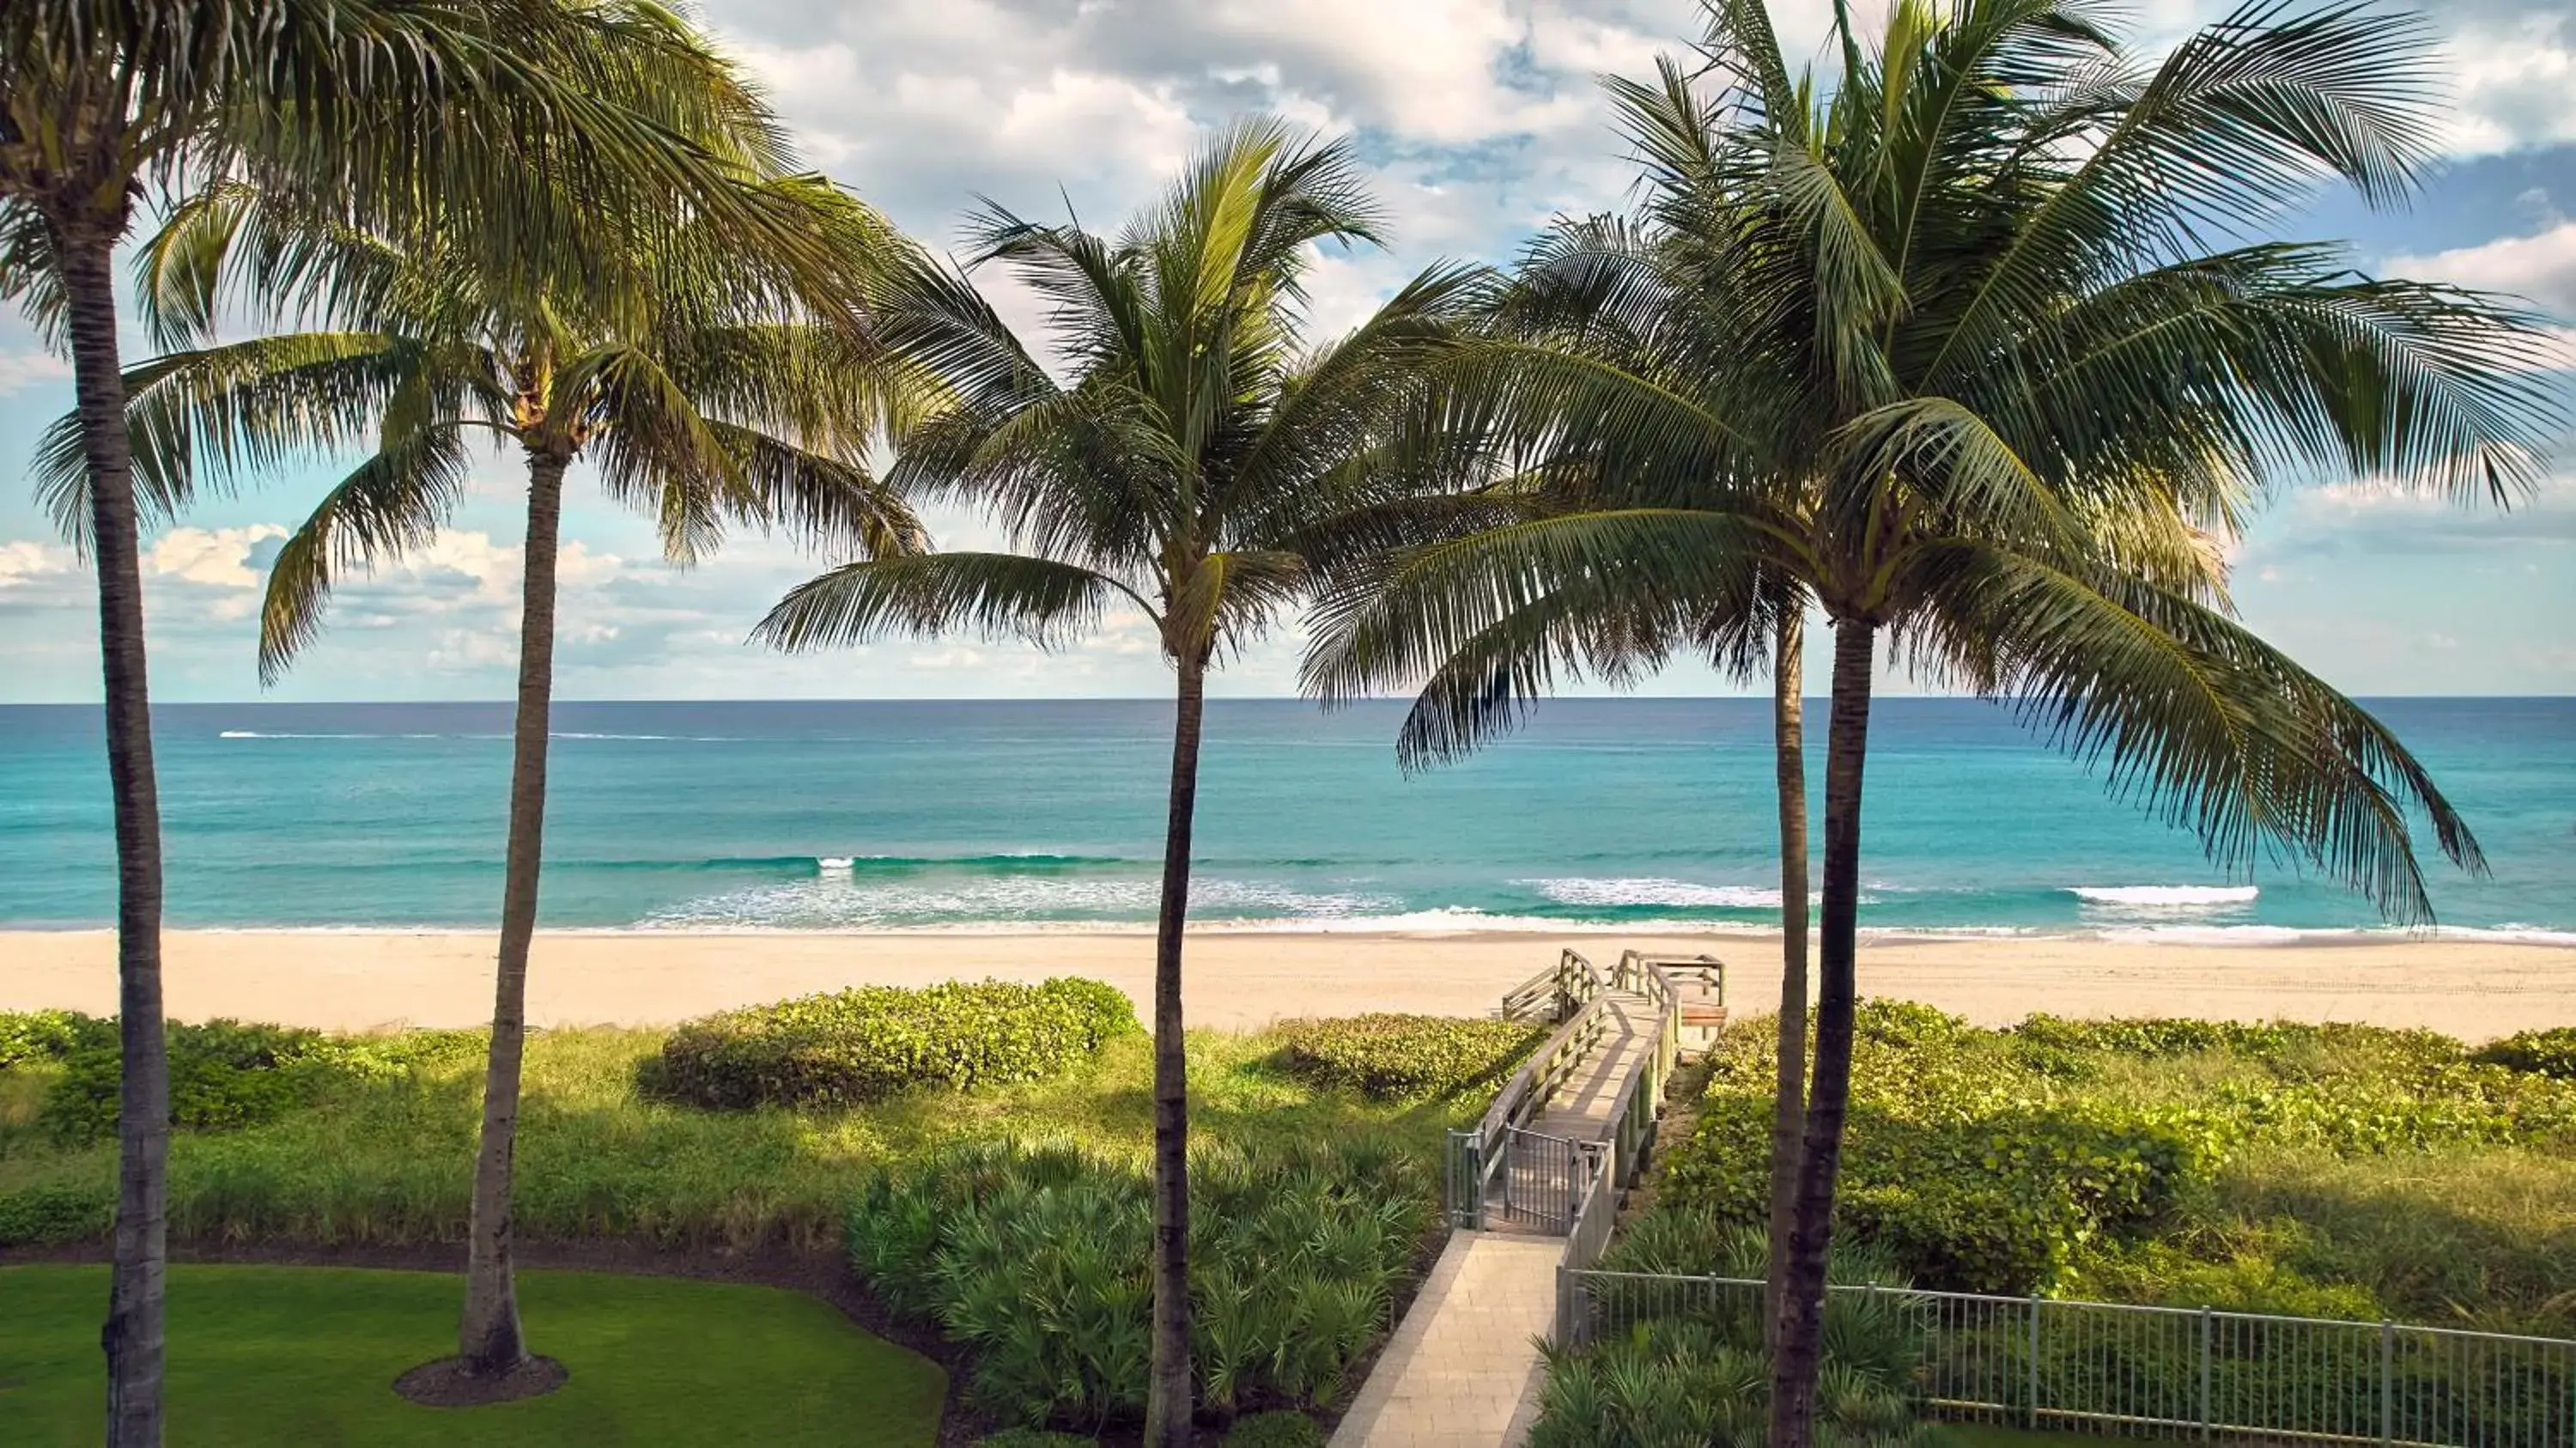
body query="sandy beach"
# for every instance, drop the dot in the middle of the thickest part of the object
(356, 980)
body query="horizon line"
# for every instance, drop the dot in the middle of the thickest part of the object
(1878, 697)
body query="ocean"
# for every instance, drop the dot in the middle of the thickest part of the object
(1617, 813)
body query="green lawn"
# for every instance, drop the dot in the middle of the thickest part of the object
(307, 1355)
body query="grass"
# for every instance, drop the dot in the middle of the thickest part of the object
(388, 1162)
(308, 1355)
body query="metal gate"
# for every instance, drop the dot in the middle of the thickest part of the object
(1541, 1181)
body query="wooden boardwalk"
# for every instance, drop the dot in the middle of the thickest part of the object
(1463, 1369)
(1580, 1109)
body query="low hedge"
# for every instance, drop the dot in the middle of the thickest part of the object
(225, 1074)
(2542, 1053)
(1389, 1057)
(855, 1046)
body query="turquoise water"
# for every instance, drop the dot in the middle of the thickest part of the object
(717, 816)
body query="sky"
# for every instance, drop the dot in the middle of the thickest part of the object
(1480, 119)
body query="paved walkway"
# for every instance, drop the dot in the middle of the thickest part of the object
(1463, 1369)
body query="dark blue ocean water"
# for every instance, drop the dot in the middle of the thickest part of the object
(874, 815)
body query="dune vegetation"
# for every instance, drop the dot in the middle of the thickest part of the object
(2316, 1170)
(378, 1156)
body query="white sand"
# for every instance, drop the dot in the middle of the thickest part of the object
(355, 980)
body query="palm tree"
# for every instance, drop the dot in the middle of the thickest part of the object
(1602, 291)
(1997, 292)
(702, 388)
(1191, 469)
(393, 110)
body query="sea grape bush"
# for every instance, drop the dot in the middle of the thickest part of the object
(2543, 1053)
(855, 1046)
(33, 1036)
(227, 1074)
(1036, 1256)
(1389, 1057)
(2007, 1160)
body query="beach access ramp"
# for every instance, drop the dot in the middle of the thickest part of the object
(1532, 1191)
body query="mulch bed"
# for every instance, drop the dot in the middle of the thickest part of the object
(446, 1384)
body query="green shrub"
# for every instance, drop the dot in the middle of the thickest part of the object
(27, 1036)
(2007, 1161)
(866, 1044)
(1670, 1240)
(1390, 1057)
(2543, 1053)
(1038, 1258)
(1688, 1382)
(1275, 1430)
(387, 1160)
(50, 1213)
(223, 1075)
(2162, 1274)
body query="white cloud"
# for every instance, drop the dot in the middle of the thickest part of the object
(215, 557)
(26, 369)
(2382, 519)
(2514, 66)
(25, 563)
(2541, 266)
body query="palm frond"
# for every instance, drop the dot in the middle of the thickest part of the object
(2195, 718)
(200, 421)
(993, 595)
(390, 504)
(1398, 624)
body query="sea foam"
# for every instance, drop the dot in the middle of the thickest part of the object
(1653, 891)
(2165, 896)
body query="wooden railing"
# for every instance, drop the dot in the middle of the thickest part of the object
(1572, 991)
(1576, 986)
(1555, 993)
(1576, 995)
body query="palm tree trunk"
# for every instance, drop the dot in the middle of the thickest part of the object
(1789, 1111)
(1168, 1402)
(490, 1342)
(1801, 1332)
(132, 1335)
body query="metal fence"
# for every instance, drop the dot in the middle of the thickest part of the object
(2154, 1371)
(1543, 1180)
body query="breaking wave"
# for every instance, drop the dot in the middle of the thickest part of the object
(2165, 896)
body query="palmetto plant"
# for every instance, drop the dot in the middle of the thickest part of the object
(1187, 470)
(1039, 1255)
(704, 387)
(1978, 352)
(389, 113)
